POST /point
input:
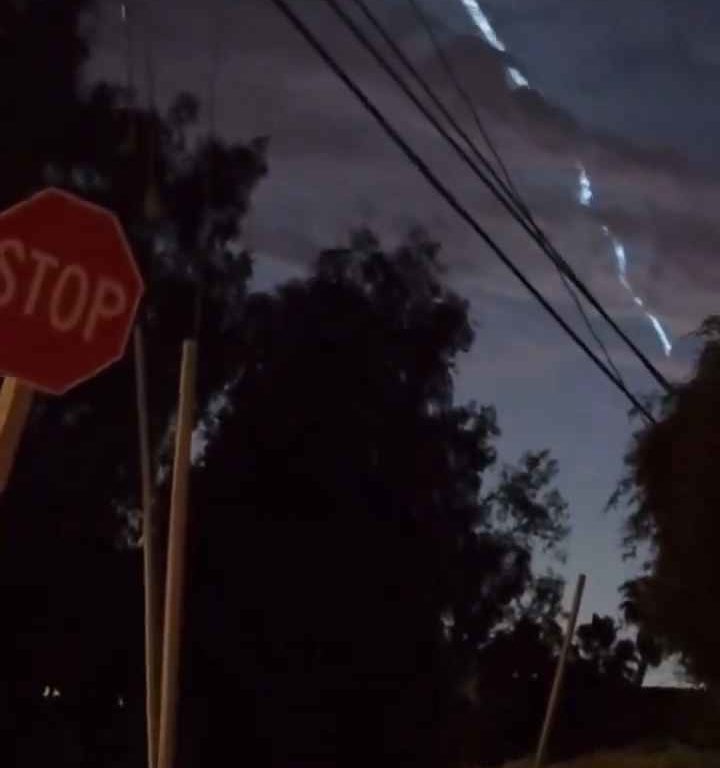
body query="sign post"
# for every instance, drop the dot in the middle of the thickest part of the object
(151, 559)
(15, 403)
(69, 291)
(175, 576)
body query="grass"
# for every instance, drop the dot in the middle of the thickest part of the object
(669, 757)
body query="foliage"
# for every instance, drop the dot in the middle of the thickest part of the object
(672, 488)
(71, 587)
(606, 657)
(342, 514)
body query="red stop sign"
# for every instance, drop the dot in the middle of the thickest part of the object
(69, 290)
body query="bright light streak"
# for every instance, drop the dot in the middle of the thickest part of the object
(585, 193)
(517, 79)
(664, 340)
(123, 11)
(621, 259)
(483, 24)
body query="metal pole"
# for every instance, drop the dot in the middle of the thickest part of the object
(559, 674)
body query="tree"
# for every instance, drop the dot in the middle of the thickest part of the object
(649, 649)
(346, 564)
(673, 492)
(606, 658)
(42, 53)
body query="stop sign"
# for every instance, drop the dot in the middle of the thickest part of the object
(69, 290)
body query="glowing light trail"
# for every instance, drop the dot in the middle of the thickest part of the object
(664, 340)
(621, 258)
(517, 79)
(585, 192)
(483, 24)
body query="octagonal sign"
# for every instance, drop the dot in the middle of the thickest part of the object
(69, 290)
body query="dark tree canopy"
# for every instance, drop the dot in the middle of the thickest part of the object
(672, 487)
(42, 52)
(69, 576)
(340, 512)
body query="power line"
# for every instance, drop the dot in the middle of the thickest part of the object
(508, 200)
(462, 92)
(451, 73)
(508, 187)
(444, 192)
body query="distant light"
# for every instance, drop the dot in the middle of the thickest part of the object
(585, 193)
(46, 692)
(123, 11)
(517, 79)
(619, 249)
(483, 24)
(621, 258)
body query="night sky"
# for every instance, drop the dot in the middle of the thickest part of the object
(625, 90)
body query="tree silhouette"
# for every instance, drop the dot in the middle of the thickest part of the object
(606, 658)
(346, 565)
(671, 486)
(649, 649)
(70, 571)
(42, 52)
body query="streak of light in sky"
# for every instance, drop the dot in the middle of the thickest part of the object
(515, 76)
(483, 24)
(585, 193)
(585, 190)
(517, 79)
(621, 259)
(667, 345)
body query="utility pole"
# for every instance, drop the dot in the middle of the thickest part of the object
(559, 674)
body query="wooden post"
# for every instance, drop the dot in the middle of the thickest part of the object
(15, 403)
(151, 560)
(559, 674)
(174, 581)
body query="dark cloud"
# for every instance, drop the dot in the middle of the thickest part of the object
(645, 69)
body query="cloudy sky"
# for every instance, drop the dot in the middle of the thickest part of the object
(621, 89)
